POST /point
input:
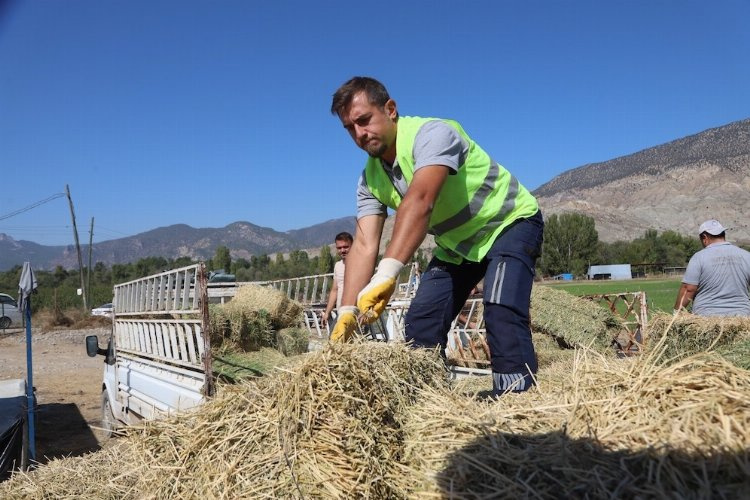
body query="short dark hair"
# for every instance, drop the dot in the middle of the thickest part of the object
(377, 94)
(722, 235)
(344, 236)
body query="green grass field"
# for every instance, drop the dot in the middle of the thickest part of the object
(660, 293)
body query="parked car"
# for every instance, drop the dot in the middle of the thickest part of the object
(10, 315)
(107, 310)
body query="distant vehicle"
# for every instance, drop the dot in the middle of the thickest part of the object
(104, 310)
(10, 315)
(219, 276)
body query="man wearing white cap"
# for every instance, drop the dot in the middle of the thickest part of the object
(717, 278)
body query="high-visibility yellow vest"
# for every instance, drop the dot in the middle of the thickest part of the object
(474, 205)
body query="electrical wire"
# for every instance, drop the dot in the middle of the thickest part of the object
(33, 205)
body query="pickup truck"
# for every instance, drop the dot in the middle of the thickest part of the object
(157, 361)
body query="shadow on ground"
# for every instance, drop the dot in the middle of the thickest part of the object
(552, 465)
(61, 431)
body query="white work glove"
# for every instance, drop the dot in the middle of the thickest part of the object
(375, 296)
(346, 323)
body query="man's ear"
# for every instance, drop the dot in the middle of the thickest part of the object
(390, 109)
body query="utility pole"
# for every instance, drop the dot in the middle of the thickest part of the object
(78, 248)
(88, 270)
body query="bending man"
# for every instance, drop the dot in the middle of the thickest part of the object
(485, 223)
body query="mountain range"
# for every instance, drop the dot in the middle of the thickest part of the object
(180, 240)
(673, 186)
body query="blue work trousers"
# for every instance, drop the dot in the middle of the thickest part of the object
(508, 272)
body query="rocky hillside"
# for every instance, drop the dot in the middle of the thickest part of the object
(675, 186)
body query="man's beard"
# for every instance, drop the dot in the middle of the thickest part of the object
(376, 151)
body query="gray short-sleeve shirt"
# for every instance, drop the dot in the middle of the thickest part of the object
(436, 143)
(721, 272)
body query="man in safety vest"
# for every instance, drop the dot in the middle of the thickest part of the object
(485, 223)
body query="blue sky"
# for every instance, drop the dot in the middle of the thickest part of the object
(210, 112)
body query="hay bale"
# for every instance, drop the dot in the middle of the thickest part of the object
(292, 341)
(238, 329)
(328, 427)
(575, 321)
(737, 353)
(687, 334)
(284, 312)
(549, 350)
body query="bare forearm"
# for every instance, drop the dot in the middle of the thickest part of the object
(685, 295)
(331, 300)
(360, 264)
(409, 230)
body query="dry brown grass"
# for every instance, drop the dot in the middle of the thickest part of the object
(329, 427)
(372, 420)
(601, 428)
(54, 319)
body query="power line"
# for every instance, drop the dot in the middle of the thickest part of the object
(34, 205)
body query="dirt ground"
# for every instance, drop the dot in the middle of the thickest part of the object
(68, 388)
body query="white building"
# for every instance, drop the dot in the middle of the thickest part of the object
(611, 271)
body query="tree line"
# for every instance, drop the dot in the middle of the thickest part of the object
(571, 245)
(58, 288)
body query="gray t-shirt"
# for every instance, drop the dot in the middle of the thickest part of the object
(722, 273)
(436, 143)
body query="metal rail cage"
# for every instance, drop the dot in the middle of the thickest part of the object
(161, 343)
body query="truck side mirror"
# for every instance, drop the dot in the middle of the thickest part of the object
(92, 346)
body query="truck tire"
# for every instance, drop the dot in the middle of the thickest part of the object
(109, 423)
(5, 322)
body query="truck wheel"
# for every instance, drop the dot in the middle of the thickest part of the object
(109, 423)
(4, 322)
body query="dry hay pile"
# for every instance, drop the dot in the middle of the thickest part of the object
(249, 321)
(572, 320)
(687, 334)
(331, 426)
(548, 350)
(379, 421)
(602, 428)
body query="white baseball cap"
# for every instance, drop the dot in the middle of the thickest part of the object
(712, 227)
